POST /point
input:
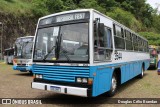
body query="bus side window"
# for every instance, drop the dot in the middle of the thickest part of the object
(119, 37)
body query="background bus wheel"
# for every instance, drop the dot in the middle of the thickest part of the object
(114, 84)
(30, 72)
(155, 67)
(142, 73)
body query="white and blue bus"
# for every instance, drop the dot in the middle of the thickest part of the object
(23, 53)
(85, 53)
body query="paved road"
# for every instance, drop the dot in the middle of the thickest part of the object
(15, 84)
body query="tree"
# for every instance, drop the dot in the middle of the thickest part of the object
(108, 4)
(125, 18)
(153, 38)
(91, 4)
(140, 9)
(69, 4)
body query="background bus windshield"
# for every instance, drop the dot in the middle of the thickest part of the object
(62, 43)
(23, 49)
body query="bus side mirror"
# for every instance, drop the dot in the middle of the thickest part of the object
(101, 29)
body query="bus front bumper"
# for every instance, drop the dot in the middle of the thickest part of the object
(22, 68)
(85, 92)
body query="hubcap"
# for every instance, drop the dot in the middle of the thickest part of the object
(142, 72)
(114, 84)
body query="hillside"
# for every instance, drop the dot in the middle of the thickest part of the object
(20, 16)
(16, 7)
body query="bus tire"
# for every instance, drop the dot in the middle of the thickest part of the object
(114, 85)
(155, 67)
(142, 73)
(30, 72)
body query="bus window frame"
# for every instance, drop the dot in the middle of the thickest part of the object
(119, 37)
(99, 47)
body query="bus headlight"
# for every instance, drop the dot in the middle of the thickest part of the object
(82, 80)
(38, 76)
(79, 80)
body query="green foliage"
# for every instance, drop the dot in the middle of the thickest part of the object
(125, 18)
(108, 4)
(16, 7)
(44, 7)
(91, 4)
(153, 38)
(156, 23)
(139, 9)
(69, 5)
(39, 8)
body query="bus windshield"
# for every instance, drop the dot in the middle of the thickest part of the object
(62, 43)
(23, 50)
(9, 52)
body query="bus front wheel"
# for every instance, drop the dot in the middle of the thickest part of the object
(114, 84)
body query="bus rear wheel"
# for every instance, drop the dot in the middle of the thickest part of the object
(142, 73)
(114, 85)
(155, 66)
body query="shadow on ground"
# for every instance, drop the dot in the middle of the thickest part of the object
(24, 74)
(152, 68)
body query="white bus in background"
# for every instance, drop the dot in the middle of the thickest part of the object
(22, 56)
(85, 53)
(9, 55)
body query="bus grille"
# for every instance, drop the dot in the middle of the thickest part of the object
(61, 73)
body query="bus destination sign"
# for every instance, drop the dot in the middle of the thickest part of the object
(65, 18)
(69, 17)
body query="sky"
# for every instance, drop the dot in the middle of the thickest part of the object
(154, 3)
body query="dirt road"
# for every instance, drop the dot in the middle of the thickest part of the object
(15, 84)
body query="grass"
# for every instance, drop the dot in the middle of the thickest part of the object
(16, 7)
(148, 87)
(5, 67)
(1, 60)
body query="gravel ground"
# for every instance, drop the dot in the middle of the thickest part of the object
(15, 84)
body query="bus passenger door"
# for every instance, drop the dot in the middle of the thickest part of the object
(103, 46)
(102, 54)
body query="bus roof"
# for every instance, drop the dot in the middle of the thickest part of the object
(119, 24)
(90, 10)
(8, 49)
(26, 37)
(65, 12)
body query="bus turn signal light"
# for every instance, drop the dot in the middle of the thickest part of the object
(90, 81)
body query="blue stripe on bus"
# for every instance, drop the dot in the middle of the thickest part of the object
(61, 73)
(102, 80)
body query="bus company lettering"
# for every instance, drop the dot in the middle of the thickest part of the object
(70, 17)
(118, 55)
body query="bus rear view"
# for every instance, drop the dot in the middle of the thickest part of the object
(74, 53)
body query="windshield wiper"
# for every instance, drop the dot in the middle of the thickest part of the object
(48, 53)
(59, 47)
(64, 53)
(54, 47)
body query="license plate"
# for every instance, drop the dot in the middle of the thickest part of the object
(56, 89)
